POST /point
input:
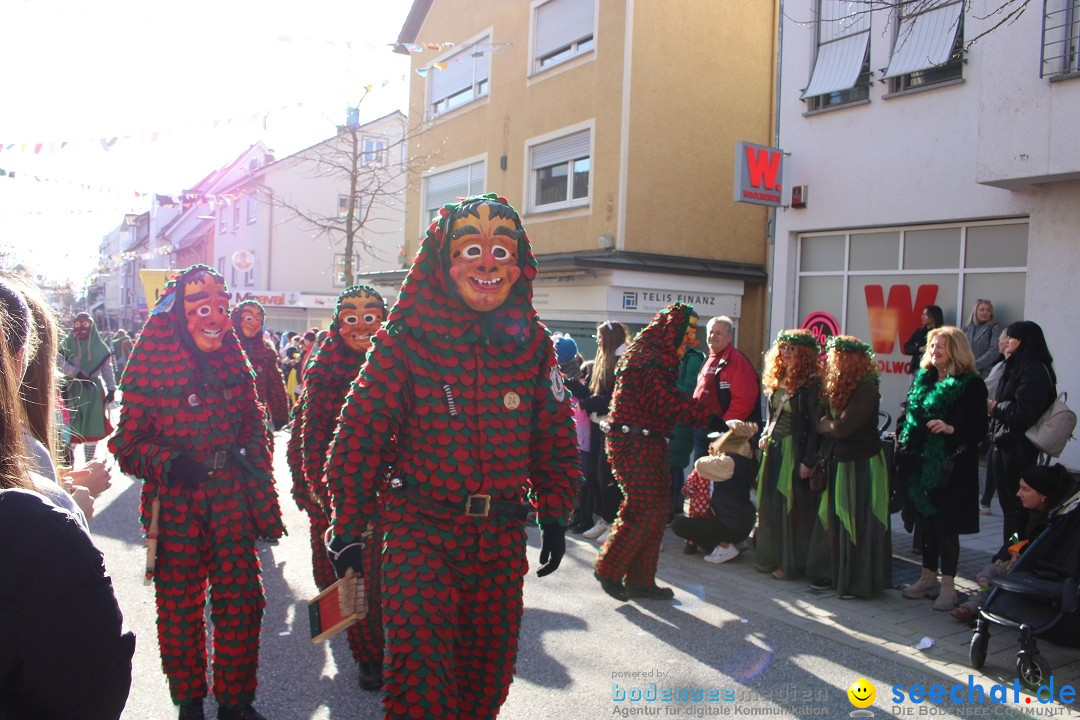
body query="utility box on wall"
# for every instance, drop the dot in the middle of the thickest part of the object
(798, 196)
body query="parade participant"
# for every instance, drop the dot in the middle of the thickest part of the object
(192, 429)
(787, 507)
(359, 312)
(644, 408)
(851, 545)
(247, 319)
(463, 376)
(89, 384)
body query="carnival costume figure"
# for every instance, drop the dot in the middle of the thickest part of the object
(851, 544)
(359, 313)
(89, 384)
(192, 429)
(247, 319)
(644, 408)
(787, 507)
(462, 381)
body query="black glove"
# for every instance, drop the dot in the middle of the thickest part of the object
(186, 472)
(345, 555)
(717, 424)
(278, 424)
(82, 376)
(110, 396)
(552, 547)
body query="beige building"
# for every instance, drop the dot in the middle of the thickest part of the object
(611, 127)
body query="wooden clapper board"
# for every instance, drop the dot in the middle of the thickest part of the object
(337, 607)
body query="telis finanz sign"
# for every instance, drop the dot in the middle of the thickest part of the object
(759, 171)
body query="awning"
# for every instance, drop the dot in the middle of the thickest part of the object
(925, 39)
(843, 38)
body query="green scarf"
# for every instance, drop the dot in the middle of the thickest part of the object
(929, 399)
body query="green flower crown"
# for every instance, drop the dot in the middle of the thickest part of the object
(798, 337)
(846, 343)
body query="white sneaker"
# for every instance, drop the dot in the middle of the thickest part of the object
(596, 530)
(721, 554)
(603, 538)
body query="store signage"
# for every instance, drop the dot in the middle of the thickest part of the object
(269, 298)
(652, 301)
(898, 317)
(759, 172)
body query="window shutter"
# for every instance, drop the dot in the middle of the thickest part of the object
(561, 150)
(462, 70)
(447, 187)
(843, 38)
(925, 39)
(561, 22)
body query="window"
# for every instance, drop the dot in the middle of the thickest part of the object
(221, 266)
(223, 221)
(343, 207)
(842, 67)
(459, 78)
(236, 213)
(1061, 38)
(563, 29)
(446, 187)
(252, 208)
(560, 172)
(929, 47)
(374, 151)
(339, 269)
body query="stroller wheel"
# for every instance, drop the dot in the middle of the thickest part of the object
(1032, 669)
(977, 650)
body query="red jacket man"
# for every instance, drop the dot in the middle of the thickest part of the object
(727, 383)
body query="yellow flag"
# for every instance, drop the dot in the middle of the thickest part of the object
(154, 284)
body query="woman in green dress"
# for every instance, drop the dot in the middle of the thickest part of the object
(787, 507)
(851, 547)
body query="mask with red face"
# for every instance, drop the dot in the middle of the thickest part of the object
(206, 311)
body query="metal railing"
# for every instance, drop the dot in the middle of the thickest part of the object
(1060, 38)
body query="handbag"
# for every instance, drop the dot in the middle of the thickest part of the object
(1052, 432)
(817, 476)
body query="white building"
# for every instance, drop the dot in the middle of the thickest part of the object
(280, 234)
(934, 170)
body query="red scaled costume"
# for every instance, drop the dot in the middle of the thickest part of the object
(463, 375)
(192, 429)
(327, 377)
(644, 409)
(247, 320)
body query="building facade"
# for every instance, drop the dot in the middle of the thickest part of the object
(933, 157)
(612, 128)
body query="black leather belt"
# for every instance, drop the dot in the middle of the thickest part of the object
(475, 505)
(610, 428)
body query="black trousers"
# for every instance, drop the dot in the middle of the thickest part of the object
(1006, 464)
(707, 532)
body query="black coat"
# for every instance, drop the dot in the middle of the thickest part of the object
(915, 346)
(63, 652)
(1023, 395)
(957, 503)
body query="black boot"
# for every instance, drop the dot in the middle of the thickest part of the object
(371, 675)
(650, 591)
(241, 713)
(612, 588)
(192, 711)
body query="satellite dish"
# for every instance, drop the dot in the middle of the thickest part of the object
(243, 260)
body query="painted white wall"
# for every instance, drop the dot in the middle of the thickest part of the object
(927, 156)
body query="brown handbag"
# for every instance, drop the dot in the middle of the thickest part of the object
(817, 476)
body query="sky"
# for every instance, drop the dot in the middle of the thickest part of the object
(102, 101)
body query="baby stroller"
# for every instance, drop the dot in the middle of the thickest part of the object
(1038, 595)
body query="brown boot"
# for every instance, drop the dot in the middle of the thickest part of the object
(925, 587)
(946, 600)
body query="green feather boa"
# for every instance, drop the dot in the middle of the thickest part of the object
(929, 399)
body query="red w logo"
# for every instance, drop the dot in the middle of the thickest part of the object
(763, 167)
(899, 316)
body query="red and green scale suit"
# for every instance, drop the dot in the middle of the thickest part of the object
(269, 383)
(181, 402)
(645, 396)
(327, 378)
(475, 403)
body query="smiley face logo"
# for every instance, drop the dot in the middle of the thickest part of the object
(862, 693)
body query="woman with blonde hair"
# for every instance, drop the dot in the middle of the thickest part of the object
(939, 441)
(786, 504)
(982, 331)
(851, 547)
(611, 339)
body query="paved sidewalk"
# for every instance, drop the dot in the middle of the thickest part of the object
(891, 626)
